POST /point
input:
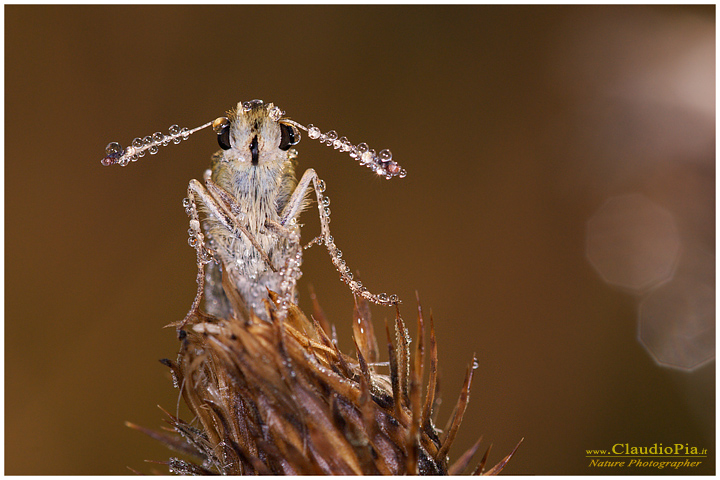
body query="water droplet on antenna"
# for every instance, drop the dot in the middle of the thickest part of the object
(113, 148)
(313, 131)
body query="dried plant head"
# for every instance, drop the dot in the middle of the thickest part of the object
(279, 397)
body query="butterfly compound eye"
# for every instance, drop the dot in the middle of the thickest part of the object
(221, 126)
(289, 136)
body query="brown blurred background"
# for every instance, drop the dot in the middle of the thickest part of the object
(515, 124)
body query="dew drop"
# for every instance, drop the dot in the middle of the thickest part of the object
(175, 382)
(313, 132)
(385, 155)
(174, 132)
(113, 148)
(346, 145)
(154, 149)
(275, 113)
(137, 142)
